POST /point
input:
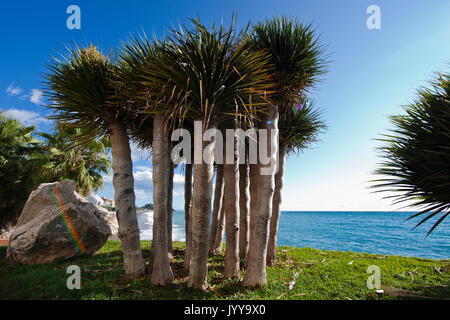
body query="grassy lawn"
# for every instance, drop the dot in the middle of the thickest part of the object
(318, 274)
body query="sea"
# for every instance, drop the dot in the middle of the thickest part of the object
(378, 232)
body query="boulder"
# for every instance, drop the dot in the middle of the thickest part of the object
(57, 222)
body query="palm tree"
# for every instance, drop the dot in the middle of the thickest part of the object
(209, 71)
(417, 154)
(231, 208)
(218, 246)
(18, 168)
(299, 127)
(187, 213)
(65, 156)
(161, 274)
(136, 58)
(227, 197)
(187, 198)
(244, 209)
(81, 91)
(217, 207)
(296, 55)
(170, 208)
(253, 190)
(244, 200)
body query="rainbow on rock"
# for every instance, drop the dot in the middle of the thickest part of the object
(67, 222)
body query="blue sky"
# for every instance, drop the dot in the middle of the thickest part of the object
(371, 75)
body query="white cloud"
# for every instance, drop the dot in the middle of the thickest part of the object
(177, 193)
(178, 178)
(143, 174)
(143, 195)
(143, 168)
(27, 118)
(36, 96)
(13, 90)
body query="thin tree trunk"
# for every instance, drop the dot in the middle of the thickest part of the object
(244, 209)
(231, 204)
(125, 201)
(220, 231)
(253, 204)
(217, 207)
(257, 253)
(160, 266)
(169, 209)
(201, 215)
(187, 213)
(276, 209)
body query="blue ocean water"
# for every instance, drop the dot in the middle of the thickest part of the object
(372, 232)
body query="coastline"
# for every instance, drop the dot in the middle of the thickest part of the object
(335, 231)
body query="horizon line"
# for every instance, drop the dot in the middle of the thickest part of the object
(348, 211)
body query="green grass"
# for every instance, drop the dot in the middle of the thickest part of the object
(319, 275)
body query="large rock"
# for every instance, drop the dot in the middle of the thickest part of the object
(57, 222)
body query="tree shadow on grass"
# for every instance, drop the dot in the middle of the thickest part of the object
(218, 286)
(436, 291)
(103, 277)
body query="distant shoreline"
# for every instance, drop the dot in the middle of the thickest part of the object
(316, 211)
(143, 210)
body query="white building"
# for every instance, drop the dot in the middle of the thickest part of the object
(95, 199)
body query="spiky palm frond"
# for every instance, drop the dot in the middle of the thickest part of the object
(417, 153)
(299, 126)
(204, 73)
(15, 139)
(295, 52)
(80, 88)
(18, 148)
(134, 54)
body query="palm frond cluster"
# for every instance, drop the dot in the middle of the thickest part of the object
(65, 157)
(79, 86)
(295, 52)
(416, 154)
(300, 126)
